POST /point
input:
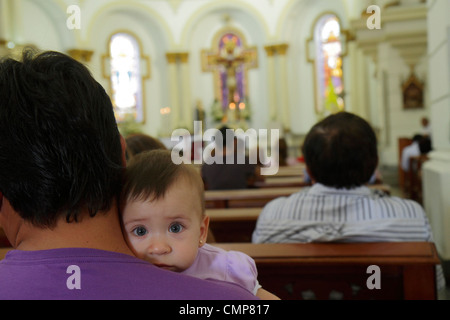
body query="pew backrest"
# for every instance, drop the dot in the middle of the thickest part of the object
(4, 251)
(394, 270)
(233, 224)
(249, 198)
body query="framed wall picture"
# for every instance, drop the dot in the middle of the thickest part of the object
(413, 91)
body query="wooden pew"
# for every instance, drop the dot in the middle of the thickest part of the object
(340, 270)
(415, 177)
(234, 224)
(256, 198)
(291, 171)
(403, 178)
(281, 182)
(3, 252)
(249, 198)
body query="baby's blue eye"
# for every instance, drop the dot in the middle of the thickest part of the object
(140, 231)
(175, 228)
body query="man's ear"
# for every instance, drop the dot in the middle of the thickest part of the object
(311, 177)
(123, 144)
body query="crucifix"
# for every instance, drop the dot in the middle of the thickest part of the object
(230, 64)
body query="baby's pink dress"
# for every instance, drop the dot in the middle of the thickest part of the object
(231, 266)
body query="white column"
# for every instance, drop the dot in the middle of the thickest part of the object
(186, 103)
(4, 20)
(173, 89)
(271, 83)
(361, 93)
(14, 20)
(281, 51)
(436, 171)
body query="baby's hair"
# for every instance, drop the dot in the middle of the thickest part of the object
(150, 174)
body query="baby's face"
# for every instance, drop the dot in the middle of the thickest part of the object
(167, 232)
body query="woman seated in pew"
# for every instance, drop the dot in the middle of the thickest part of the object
(341, 155)
(230, 174)
(284, 159)
(164, 222)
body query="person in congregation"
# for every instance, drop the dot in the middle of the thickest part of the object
(62, 161)
(229, 174)
(413, 150)
(140, 142)
(283, 152)
(341, 155)
(426, 127)
(164, 222)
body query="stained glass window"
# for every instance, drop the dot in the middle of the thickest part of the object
(329, 75)
(126, 81)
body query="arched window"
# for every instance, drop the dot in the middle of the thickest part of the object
(329, 75)
(126, 80)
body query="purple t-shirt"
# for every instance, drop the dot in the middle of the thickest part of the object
(80, 273)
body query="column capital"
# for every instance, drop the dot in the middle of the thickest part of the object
(174, 57)
(81, 55)
(183, 56)
(171, 57)
(276, 49)
(282, 48)
(270, 50)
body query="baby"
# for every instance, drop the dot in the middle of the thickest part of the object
(164, 222)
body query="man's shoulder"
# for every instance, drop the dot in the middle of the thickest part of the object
(281, 203)
(81, 274)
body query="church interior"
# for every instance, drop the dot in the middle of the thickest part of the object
(265, 64)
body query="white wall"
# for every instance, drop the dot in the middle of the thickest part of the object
(436, 172)
(189, 26)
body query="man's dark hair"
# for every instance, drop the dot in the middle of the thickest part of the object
(417, 137)
(341, 151)
(425, 145)
(60, 150)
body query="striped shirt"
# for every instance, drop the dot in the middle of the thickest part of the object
(324, 214)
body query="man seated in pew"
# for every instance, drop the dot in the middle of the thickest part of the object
(341, 155)
(412, 150)
(230, 174)
(140, 142)
(164, 222)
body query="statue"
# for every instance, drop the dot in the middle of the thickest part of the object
(230, 64)
(200, 113)
(231, 60)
